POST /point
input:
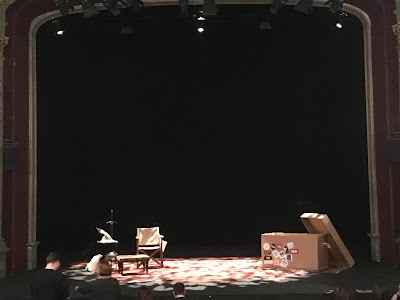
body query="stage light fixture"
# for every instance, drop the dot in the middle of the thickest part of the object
(184, 8)
(276, 5)
(341, 20)
(209, 8)
(64, 7)
(335, 5)
(112, 7)
(305, 6)
(89, 10)
(58, 29)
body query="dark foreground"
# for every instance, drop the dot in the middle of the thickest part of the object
(311, 286)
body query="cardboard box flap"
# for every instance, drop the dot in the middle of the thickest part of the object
(339, 256)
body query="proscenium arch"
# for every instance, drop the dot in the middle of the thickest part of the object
(32, 198)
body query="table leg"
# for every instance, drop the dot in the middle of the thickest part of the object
(121, 267)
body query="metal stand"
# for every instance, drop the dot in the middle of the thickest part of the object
(111, 223)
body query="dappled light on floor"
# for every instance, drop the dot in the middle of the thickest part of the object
(196, 273)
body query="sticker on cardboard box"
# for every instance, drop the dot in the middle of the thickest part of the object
(266, 246)
(275, 253)
(279, 247)
(282, 254)
(276, 262)
(290, 245)
(294, 251)
(273, 246)
(284, 263)
(289, 257)
(268, 252)
(268, 262)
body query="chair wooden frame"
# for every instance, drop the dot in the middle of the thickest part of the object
(151, 249)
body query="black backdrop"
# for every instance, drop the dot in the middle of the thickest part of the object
(215, 137)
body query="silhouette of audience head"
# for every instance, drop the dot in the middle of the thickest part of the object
(144, 293)
(340, 294)
(103, 268)
(179, 290)
(53, 261)
(379, 292)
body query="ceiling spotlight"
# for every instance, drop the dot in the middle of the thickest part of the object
(200, 29)
(112, 6)
(341, 20)
(58, 29)
(201, 18)
(89, 10)
(209, 8)
(335, 5)
(304, 6)
(276, 6)
(64, 7)
(184, 7)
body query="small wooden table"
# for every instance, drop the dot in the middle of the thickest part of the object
(142, 258)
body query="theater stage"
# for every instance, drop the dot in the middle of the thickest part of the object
(224, 278)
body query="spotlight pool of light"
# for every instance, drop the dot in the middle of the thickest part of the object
(60, 32)
(200, 29)
(339, 25)
(201, 19)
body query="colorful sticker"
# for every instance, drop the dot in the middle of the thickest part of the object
(276, 262)
(279, 247)
(284, 263)
(268, 262)
(275, 253)
(286, 249)
(289, 257)
(294, 251)
(267, 257)
(268, 252)
(282, 254)
(266, 246)
(273, 246)
(290, 245)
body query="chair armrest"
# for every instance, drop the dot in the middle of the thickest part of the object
(161, 236)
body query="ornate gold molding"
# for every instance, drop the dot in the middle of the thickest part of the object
(396, 31)
(3, 42)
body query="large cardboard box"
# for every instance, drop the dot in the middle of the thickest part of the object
(339, 256)
(322, 247)
(294, 251)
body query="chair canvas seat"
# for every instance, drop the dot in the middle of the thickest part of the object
(149, 241)
(149, 247)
